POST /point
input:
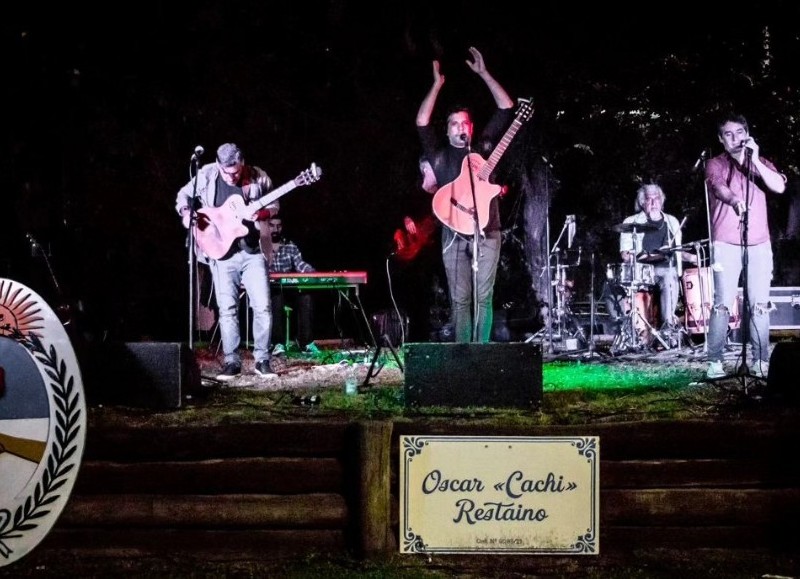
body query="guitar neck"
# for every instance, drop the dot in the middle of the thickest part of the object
(272, 195)
(501, 147)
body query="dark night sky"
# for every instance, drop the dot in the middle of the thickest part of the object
(106, 104)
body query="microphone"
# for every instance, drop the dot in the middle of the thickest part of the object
(700, 159)
(570, 230)
(198, 152)
(464, 138)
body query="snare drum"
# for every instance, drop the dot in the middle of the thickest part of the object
(631, 273)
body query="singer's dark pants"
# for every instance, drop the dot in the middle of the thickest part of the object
(457, 252)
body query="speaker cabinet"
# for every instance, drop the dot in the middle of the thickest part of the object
(781, 383)
(143, 374)
(506, 375)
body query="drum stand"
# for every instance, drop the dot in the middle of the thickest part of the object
(561, 321)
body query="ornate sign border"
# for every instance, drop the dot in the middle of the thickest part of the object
(29, 513)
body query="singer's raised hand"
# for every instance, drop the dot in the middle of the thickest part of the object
(438, 77)
(477, 65)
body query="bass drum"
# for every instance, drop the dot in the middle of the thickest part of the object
(698, 293)
(645, 316)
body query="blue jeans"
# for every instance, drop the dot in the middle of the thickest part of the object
(457, 259)
(727, 268)
(250, 270)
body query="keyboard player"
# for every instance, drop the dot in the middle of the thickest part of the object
(287, 258)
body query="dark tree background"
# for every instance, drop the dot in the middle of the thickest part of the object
(105, 104)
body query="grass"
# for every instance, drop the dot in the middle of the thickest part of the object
(574, 392)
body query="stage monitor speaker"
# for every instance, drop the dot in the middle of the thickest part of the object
(154, 375)
(781, 384)
(506, 375)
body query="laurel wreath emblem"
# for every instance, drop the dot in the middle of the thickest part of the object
(61, 459)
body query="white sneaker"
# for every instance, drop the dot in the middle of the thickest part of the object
(278, 350)
(715, 370)
(761, 368)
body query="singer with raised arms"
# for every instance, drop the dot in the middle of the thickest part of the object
(737, 181)
(447, 161)
(240, 263)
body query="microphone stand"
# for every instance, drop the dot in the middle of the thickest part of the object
(193, 166)
(744, 370)
(559, 310)
(476, 227)
(701, 281)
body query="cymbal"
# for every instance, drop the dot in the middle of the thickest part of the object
(652, 257)
(631, 227)
(686, 247)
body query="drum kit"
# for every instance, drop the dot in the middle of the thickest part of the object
(642, 316)
(640, 326)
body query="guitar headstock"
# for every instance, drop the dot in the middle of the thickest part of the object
(525, 110)
(32, 241)
(309, 176)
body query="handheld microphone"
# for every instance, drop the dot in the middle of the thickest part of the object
(198, 152)
(464, 138)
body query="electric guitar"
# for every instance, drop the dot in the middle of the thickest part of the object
(216, 228)
(453, 204)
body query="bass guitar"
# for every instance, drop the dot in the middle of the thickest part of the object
(217, 228)
(453, 203)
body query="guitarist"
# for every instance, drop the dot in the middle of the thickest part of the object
(244, 264)
(447, 164)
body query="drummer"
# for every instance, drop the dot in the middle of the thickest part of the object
(650, 237)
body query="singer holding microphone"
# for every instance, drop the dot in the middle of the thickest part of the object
(446, 160)
(214, 188)
(737, 181)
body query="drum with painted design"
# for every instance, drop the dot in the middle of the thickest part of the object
(698, 293)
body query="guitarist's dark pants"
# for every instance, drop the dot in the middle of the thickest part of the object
(457, 258)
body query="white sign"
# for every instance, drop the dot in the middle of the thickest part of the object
(526, 495)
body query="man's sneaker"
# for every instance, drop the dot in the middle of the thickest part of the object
(761, 368)
(715, 370)
(230, 371)
(278, 350)
(263, 368)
